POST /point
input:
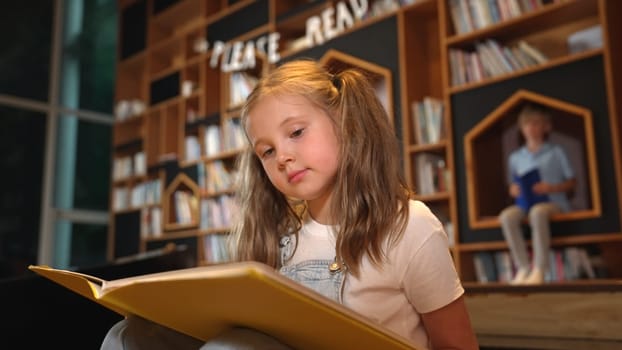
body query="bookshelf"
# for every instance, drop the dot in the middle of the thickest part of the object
(176, 96)
(482, 106)
(175, 119)
(428, 161)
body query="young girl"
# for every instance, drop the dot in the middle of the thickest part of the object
(323, 200)
(556, 180)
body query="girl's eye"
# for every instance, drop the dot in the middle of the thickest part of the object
(296, 133)
(267, 153)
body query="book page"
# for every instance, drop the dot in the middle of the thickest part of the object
(213, 271)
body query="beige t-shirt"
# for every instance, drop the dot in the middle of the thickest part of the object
(418, 277)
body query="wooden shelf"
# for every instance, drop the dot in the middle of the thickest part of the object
(534, 69)
(534, 29)
(564, 12)
(555, 241)
(438, 147)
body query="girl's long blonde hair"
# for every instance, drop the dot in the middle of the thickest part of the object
(370, 199)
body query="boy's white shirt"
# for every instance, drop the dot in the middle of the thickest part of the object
(418, 276)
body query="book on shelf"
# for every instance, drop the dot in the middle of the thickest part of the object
(121, 198)
(192, 148)
(212, 143)
(139, 163)
(123, 168)
(490, 59)
(504, 266)
(427, 117)
(432, 174)
(485, 267)
(470, 15)
(565, 264)
(585, 39)
(186, 205)
(151, 222)
(216, 212)
(532, 52)
(215, 248)
(527, 196)
(240, 86)
(205, 301)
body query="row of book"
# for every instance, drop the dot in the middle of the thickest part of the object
(240, 86)
(215, 248)
(215, 177)
(217, 212)
(185, 205)
(137, 196)
(470, 15)
(214, 245)
(566, 264)
(215, 140)
(128, 166)
(427, 120)
(490, 59)
(433, 176)
(127, 109)
(151, 222)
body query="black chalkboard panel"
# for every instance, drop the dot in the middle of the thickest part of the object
(164, 88)
(242, 21)
(126, 233)
(133, 29)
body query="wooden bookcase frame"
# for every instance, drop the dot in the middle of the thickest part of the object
(425, 37)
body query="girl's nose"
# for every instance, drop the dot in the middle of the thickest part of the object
(284, 157)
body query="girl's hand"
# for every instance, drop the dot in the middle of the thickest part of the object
(514, 190)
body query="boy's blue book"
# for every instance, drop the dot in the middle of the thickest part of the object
(527, 197)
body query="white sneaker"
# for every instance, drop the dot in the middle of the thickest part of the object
(520, 276)
(536, 276)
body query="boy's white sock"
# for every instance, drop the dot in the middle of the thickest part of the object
(520, 276)
(536, 276)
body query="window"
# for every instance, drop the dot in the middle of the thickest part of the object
(56, 98)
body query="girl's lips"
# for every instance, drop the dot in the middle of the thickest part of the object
(296, 176)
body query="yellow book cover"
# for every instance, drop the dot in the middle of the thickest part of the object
(204, 301)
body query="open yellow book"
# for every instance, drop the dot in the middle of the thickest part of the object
(204, 301)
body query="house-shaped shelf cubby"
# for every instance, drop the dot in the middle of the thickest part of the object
(180, 204)
(380, 77)
(488, 145)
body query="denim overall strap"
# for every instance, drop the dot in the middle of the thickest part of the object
(319, 275)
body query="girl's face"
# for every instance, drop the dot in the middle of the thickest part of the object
(297, 145)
